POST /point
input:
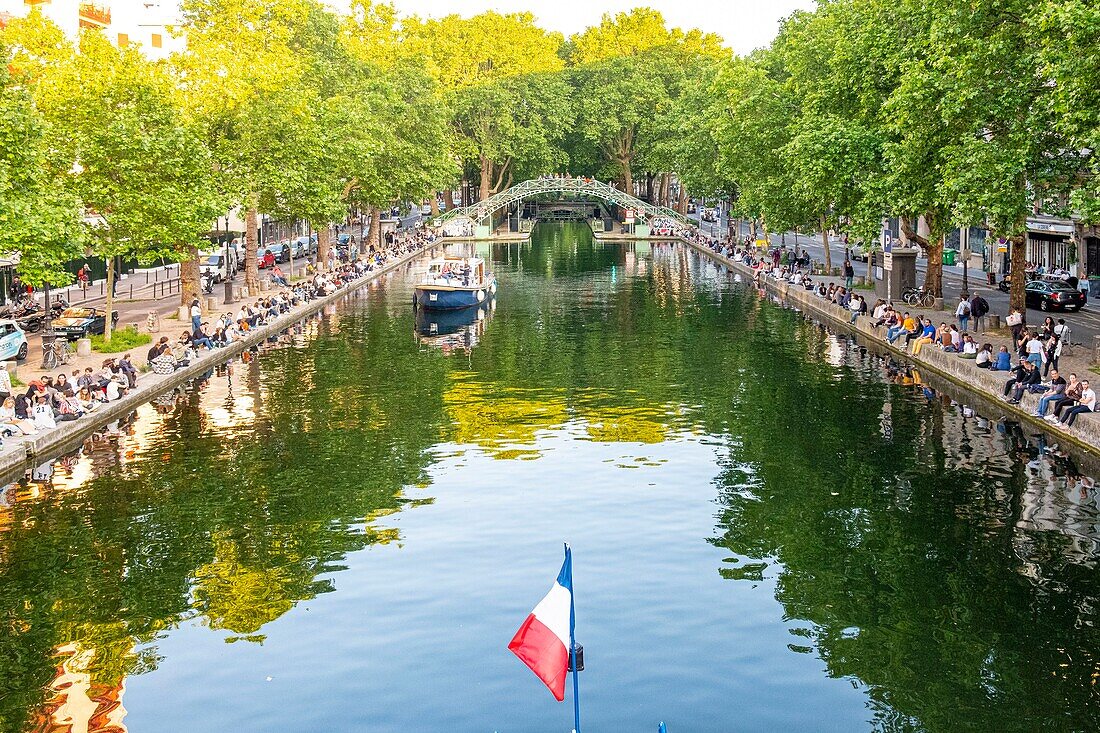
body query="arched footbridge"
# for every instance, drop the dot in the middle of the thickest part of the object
(482, 212)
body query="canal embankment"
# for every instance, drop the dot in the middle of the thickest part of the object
(19, 453)
(981, 383)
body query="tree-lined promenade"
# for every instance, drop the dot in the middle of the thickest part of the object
(948, 112)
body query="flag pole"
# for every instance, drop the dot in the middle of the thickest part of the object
(573, 644)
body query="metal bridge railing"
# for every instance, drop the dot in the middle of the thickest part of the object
(539, 186)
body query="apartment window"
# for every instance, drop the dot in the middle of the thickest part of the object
(157, 41)
(123, 40)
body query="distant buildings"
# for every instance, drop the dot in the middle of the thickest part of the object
(143, 23)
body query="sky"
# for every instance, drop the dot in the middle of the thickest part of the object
(744, 24)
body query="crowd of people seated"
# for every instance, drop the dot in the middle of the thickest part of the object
(1037, 349)
(49, 399)
(52, 399)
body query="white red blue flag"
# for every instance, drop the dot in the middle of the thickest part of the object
(543, 641)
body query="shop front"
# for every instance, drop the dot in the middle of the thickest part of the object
(1050, 243)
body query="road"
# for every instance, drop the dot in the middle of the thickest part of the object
(1084, 325)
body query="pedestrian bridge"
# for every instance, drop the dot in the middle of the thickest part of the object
(482, 212)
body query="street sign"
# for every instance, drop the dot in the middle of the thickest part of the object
(629, 216)
(887, 239)
(887, 260)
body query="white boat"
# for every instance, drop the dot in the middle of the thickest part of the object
(452, 283)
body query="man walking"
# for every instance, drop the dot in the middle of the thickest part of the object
(979, 307)
(849, 274)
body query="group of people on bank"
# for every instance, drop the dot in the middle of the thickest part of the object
(52, 399)
(49, 400)
(1032, 357)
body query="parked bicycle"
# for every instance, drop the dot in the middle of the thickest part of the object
(58, 352)
(918, 297)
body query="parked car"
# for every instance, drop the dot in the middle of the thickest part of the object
(215, 266)
(1048, 296)
(76, 323)
(13, 342)
(304, 246)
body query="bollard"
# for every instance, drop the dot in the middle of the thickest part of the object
(994, 321)
(1095, 349)
(185, 314)
(937, 304)
(211, 304)
(84, 347)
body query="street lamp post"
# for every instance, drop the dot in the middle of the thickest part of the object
(965, 245)
(228, 277)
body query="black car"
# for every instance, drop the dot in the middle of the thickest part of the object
(76, 323)
(1047, 296)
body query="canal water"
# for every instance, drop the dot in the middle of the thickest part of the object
(772, 528)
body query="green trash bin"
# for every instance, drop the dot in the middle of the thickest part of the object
(949, 257)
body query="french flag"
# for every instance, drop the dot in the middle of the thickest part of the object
(543, 641)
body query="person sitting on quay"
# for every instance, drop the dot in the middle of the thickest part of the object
(277, 276)
(907, 326)
(11, 423)
(1054, 391)
(984, 358)
(1086, 403)
(128, 370)
(1069, 398)
(927, 336)
(1022, 373)
(1003, 361)
(1031, 378)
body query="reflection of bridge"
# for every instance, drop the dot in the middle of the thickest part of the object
(581, 188)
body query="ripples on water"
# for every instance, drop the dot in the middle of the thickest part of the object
(775, 528)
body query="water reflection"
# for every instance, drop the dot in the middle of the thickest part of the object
(453, 331)
(940, 558)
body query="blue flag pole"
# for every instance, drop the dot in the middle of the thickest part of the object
(573, 643)
(661, 728)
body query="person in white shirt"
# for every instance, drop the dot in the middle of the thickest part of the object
(43, 413)
(1036, 354)
(1087, 403)
(5, 381)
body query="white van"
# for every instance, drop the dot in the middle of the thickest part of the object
(216, 265)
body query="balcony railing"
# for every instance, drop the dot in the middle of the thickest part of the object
(95, 14)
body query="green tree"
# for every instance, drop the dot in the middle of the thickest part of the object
(633, 32)
(39, 218)
(142, 174)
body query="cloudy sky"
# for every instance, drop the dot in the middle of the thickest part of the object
(745, 24)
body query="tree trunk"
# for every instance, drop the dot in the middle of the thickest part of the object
(449, 198)
(933, 276)
(649, 177)
(628, 180)
(1017, 265)
(435, 204)
(486, 179)
(189, 276)
(825, 244)
(662, 191)
(251, 244)
(107, 324)
(374, 236)
(682, 204)
(324, 245)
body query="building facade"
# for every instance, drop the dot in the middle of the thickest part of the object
(146, 24)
